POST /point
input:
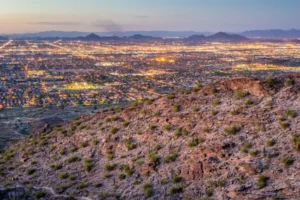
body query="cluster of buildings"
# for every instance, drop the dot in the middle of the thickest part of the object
(62, 73)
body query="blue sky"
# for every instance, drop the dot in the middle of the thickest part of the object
(124, 15)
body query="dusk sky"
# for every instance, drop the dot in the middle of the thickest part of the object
(18, 16)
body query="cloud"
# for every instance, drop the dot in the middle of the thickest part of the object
(56, 23)
(108, 26)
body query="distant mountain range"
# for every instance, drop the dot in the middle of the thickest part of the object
(218, 37)
(263, 34)
(73, 34)
(275, 33)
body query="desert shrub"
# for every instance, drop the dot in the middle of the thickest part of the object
(270, 81)
(121, 176)
(253, 152)
(214, 112)
(113, 130)
(286, 161)
(81, 185)
(178, 132)
(125, 124)
(73, 159)
(63, 175)
(245, 147)
(296, 141)
(176, 179)
(209, 192)
(176, 189)
(130, 144)
(270, 142)
(88, 164)
(291, 113)
(95, 142)
(232, 130)
(84, 144)
(149, 101)
(249, 102)
(163, 181)
(176, 108)
(234, 112)
(239, 94)
(284, 124)
(152, 127)
(170, 158)
(196, 109)
(194, 142)
(262, 181)
(30, 171)
(56, 167)
(168, 127)
(62, 152)
(171, 96)
(148, 190)
(40, 195)
(214, 90)
(110, 167)
(290, 82)
(152, 157)
(216, 102)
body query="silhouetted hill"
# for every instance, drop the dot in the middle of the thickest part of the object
(224, 37)
(276, 33)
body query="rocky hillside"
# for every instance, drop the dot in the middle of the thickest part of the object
(237, 139)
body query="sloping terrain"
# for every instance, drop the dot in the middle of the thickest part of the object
(237, 139)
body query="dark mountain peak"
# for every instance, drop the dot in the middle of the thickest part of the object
(225, 37)
(140, 37)
(196, 37)
(93, 36)
(3, 38)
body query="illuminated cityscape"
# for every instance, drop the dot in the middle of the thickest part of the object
(61, 73)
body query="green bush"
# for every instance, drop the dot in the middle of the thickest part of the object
(81, 185)
(63, 175)
(170, 158)
(290, 82)
(176, 179)
(240, 94)
(88, 165)
(168, 127)
(291, 113)
(262, 181)
(125, 124)
(84, 144)
(178, 132)
(284, 124)
(56, 167)
(30, 171)
(270, 142)
(148, 190)
(73, 159)
(176, 108)
(176, 189)
(152, 157)
(121, 176)
(113, 130)
(130, 144)
(110, 167)
(232, 130)
(209, 192)
(287, 161)
(216, 102)
(270, 81)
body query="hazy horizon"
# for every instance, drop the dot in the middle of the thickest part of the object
(19, 16)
